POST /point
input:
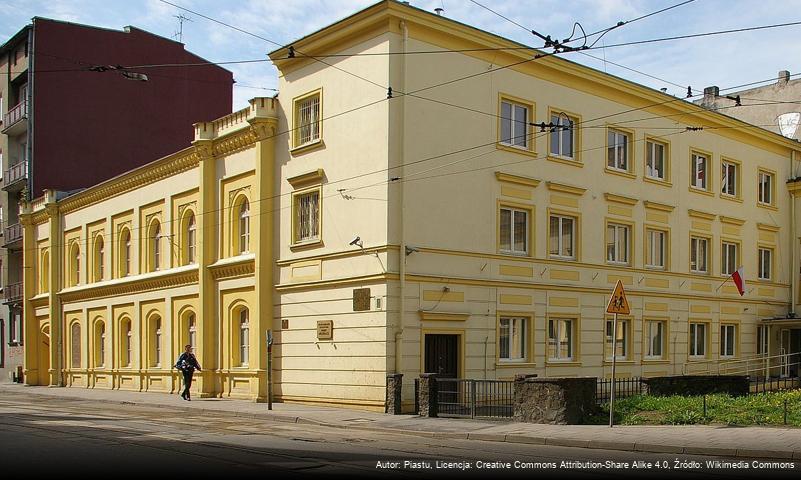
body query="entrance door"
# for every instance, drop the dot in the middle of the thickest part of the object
(442, 355)
(795, 351)
(784, 346)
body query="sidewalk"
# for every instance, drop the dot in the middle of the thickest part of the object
(750, 442)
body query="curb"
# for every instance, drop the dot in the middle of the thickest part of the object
(487, 437)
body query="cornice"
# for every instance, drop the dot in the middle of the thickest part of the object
(658, 206)
(612, 197)
(559, 187)
(701, 215)
(132, 285)
(766, 227)
(233, 268)
(311, 178)
(732, 220)
(443, 316)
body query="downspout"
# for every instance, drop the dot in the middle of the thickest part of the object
(401, 140)
(793, 237)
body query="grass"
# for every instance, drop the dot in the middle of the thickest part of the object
(755, 409)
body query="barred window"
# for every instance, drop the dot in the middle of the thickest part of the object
(307, 216)
(308, 120)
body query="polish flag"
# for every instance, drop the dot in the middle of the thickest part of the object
(739, 280)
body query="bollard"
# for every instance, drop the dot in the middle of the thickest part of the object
(704, 407)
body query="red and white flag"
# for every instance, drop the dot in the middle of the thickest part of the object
(739, 280)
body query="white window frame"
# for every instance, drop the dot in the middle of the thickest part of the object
(564, 126)
(695, 330)
(765, 188)
(726, 259)
(244, 337)
(623, 326)
(102, 345)
(157, 345)
(513, 212)
(244, 227)
(517, 329)
(191, 240)
(762, 339)
(651, 159)
(559, 236)
(651, 334)
(614, 146)
(762, 252)
(129, 344)
(650, 260)
(614, 242)
(192, 321)
(695, 250)
(512, 120)
(700, 175)
(728, 180)
(556, 326)
(725, 346)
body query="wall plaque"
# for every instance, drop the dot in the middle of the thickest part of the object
(361, 299)
(325, 330)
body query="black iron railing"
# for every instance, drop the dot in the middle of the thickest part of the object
(624, 387)
(458, 397)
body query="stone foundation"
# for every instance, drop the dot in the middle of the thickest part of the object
(559, 401)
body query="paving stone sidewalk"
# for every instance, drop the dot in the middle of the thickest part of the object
(749, 442)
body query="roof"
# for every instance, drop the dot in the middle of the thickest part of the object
(15, 39)
(329, 38)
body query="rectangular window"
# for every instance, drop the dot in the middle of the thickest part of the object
(12, 330)
(514, 124)
(699, 255)
(514, 231)
(617, 243)
(562, 237)
(512, 339)
(728, 178)
(562, 137)
(655, 160)
(307, 216)
(765, 188)
(728, 261)
(560, 339)
(699, 167)
(727, 340)
(762, 340)
(697, 339)
(621, 343)
(655, 256)
(617, 150)
(765, 263)
(655, 336)
(307, 120)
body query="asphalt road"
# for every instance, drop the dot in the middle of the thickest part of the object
(44, 435)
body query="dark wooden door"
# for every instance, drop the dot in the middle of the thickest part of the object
(795, 351)
(442, 355)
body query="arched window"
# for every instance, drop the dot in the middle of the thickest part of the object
(154, 247)
(156, 338)
(244, 227)
(127, 343)
(75, 264)
(99, 258)
(244, 337)
(125, 253)
(192, 325)
(44, 277)
(75, 342)
(100, 344)
(191, 240)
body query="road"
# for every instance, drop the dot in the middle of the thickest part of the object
(45, 435)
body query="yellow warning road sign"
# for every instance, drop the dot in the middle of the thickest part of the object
(617, 302)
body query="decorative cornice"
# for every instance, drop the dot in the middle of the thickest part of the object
(518, 179)
(40, 216)
(731, 220)
(233, 268)
(766, 227)
(41, 300)
(443, 316)
(309, 178)
(700, 214)
(235, 142)
(559, 187)
(611, 197)
(131, 285)
(658, 206)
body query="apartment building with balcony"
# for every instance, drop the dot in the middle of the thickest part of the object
(371, 233)
(65, 125)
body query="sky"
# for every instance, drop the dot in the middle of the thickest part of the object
(724, 60)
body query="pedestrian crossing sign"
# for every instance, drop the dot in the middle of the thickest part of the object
(617, 302)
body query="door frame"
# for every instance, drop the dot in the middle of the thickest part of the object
(460, 332)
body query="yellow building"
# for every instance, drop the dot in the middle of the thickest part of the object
(489, 248)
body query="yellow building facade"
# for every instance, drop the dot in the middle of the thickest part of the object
(431, 227)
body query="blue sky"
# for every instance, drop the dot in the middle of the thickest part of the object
(720, 60)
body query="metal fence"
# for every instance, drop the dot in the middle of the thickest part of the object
(773, 384)
(458, 397)
(624, 387)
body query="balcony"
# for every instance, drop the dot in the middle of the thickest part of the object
(13, 293)
(15, 120)
(12, 238)
(16, 177)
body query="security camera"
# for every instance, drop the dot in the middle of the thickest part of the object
(356, 241)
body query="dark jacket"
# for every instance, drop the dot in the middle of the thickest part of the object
(187, 361)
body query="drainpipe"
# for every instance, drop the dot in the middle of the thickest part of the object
(793, 270)
(402, 309)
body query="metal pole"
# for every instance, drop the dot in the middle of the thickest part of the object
(269, 370)
(614, 365)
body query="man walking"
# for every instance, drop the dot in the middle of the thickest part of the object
(187, 363)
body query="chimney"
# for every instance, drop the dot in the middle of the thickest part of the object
(710, 94)
(784, 76)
